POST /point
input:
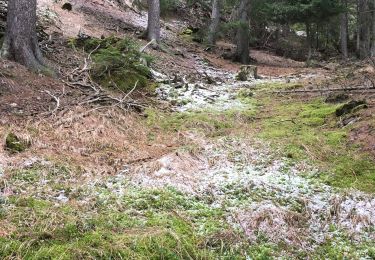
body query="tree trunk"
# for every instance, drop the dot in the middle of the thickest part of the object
(243, 34)
(21, 43)
(344, 31)
(373, 30)
(286, 30)
(153, 24)
(215, 22)
(309, 41)
(364, 29)
(358, 29)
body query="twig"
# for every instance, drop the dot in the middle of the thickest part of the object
(57, 100)
(145, 47)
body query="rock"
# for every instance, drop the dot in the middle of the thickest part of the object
(14, 144)
(349, 120)
(67, 6)
(337, 98)
(351, 107)
(62, 198)
(247, 72)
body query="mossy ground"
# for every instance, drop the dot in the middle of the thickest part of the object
(303, 129)
(112, 219)
(100, 224)
(308, 129)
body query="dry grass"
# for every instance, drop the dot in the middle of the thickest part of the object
(99, 141)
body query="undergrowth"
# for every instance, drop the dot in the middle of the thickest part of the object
(141, 224)
(115, 220)
(211, 123)
(308, 129)
(117, 63)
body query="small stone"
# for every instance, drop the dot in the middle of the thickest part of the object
(62, 198)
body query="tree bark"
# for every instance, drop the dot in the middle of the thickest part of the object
(215, 22)
(364, 29)
(20, 42)
(373, 29)
(358, 29)
(153, 24)
(344, 31)
(309, 41)
(285, 30)
(243, 34)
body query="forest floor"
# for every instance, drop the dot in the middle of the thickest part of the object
(213, 168)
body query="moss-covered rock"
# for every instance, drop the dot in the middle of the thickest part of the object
(117, 63)
(350, 107)
(14, 144)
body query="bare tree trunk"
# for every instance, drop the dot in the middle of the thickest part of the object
(373, 29)
(309, 41)
(153, 24)
(285, 30)
(243, 34)
(21, 43)
(364, 32)
(215, 22)
(344, 32)
(358, 29)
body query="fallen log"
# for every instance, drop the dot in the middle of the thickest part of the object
(368, 90)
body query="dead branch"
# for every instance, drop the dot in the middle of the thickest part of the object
(145, 47)
(80, 78)
(57, 100)
(323, 90)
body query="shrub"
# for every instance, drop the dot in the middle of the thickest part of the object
(117, 63)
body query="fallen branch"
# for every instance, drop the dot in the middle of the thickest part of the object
(145, 47)
(322, 90)
(57, 100)
(80, 78)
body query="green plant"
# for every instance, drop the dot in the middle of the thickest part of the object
(117, 63)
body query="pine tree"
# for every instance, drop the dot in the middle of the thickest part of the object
(20, 43)
(153, 24)
(215, 22)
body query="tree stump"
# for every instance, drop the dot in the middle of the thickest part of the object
(247, 72)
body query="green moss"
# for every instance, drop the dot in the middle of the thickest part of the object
(245, 93)
(146, 224)
(212, 123)
(308, 130)
(341, 247)
(14, 144)
(277, 86)
(118, 63)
